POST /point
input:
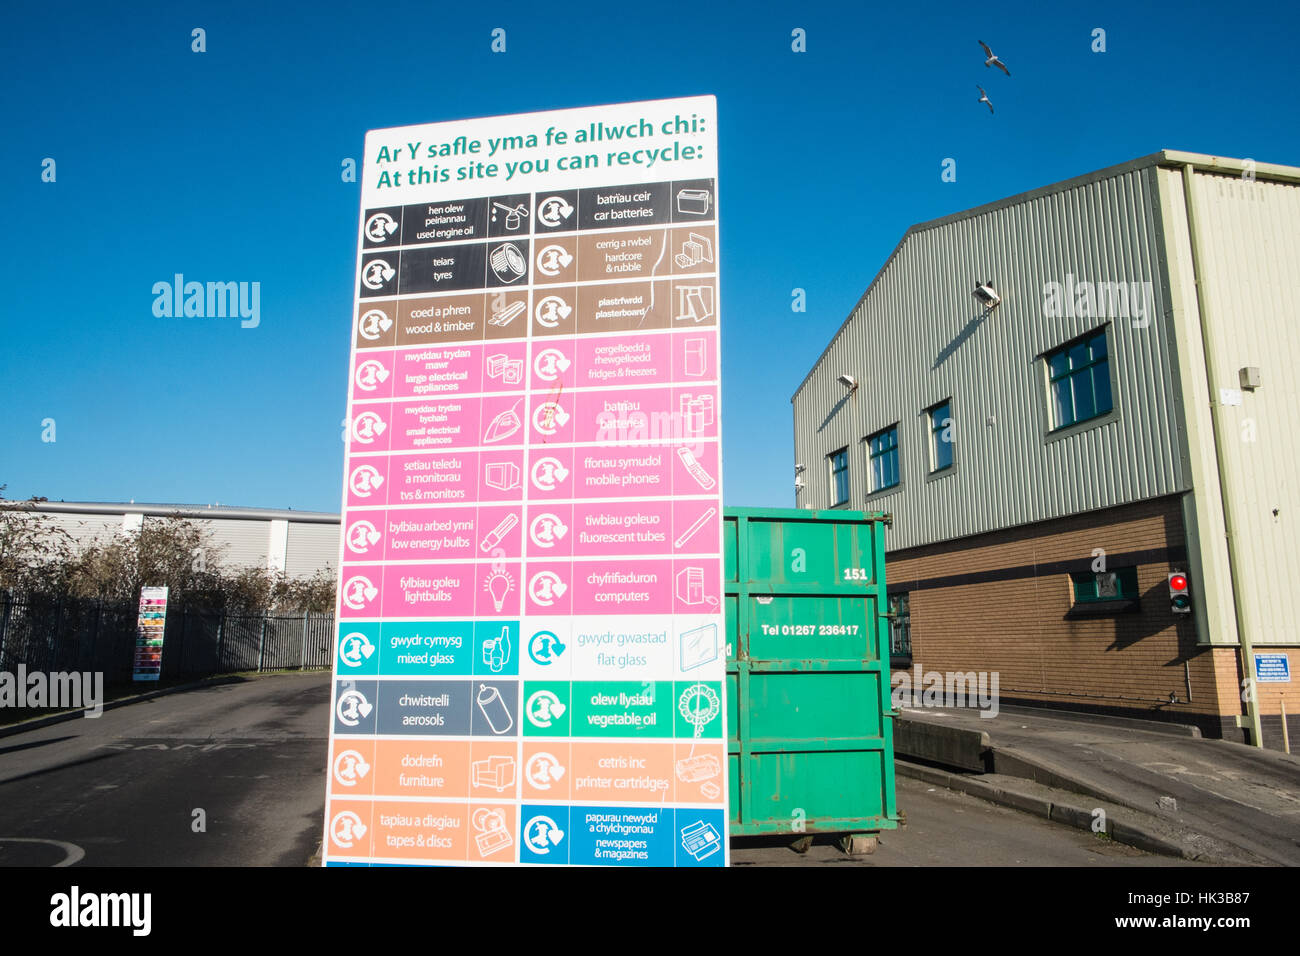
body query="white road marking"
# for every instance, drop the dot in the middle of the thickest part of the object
(75, 854)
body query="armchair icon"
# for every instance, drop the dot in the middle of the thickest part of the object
(496, 773)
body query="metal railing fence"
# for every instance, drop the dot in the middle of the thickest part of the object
(73, 634)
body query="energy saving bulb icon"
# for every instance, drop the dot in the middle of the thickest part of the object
(499, 584)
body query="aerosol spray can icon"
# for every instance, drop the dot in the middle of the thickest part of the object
(494, 709)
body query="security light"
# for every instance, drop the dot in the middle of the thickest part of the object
(798, 468)
(798, 484)
(985, 294)
(848, 381)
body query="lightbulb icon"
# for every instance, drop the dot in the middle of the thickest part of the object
(499, 584)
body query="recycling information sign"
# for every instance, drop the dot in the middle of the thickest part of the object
(529, 665)
(150, 628)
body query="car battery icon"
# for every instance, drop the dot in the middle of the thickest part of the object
(693, 202)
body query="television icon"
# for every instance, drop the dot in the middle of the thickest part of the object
(502, 475)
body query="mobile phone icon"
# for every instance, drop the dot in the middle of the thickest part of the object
(695, 469)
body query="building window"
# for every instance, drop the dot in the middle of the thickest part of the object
(942, 436)
(1119, 584)
(839, 465)
(900, 626)
(882, 459)
(1079, 380)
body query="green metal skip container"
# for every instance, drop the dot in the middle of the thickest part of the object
(810, 733)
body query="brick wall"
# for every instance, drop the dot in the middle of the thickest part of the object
(1003, 602)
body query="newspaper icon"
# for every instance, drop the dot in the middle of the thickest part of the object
(701, 840)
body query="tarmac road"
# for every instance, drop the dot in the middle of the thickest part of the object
(1240, 795)
(122, 790)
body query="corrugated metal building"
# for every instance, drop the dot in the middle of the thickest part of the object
(295, 542)
(1124, 411)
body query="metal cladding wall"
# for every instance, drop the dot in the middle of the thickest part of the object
(918, 337)
(87, 529)
(300, 542)
(241, 543)
(1247, 246)
(311, 547)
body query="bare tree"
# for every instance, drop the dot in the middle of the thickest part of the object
(38, 557)
(34, 550)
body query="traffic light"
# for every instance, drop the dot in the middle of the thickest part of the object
(1180, 600)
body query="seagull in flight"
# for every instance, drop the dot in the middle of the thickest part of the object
(993, 59)
(984, 97)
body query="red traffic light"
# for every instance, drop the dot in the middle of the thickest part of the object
(1180, 599)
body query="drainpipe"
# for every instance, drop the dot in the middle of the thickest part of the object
(1202, 308)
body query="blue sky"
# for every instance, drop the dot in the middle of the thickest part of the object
(225, 166)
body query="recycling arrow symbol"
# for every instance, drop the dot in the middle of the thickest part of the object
(555, 209)
(377, 273)
(350, 767)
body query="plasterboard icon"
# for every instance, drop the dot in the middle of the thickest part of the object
(694, 303)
